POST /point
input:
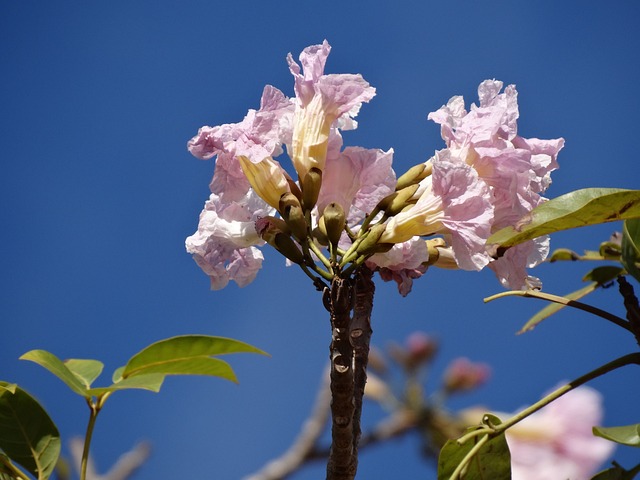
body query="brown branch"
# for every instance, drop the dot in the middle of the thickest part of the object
(631, 305)
(341, 464)
(360, 334)
(298, 453)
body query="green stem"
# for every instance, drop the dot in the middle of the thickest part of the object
(457, 473)
(563, 301)
(608, 367)
(314, 248)
(14, 470)
(94, 410)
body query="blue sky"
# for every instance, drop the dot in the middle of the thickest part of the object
(98, 193)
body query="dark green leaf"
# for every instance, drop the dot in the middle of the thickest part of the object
(187, 355)
(631, 247)
(603, 275)
(617, 473)
(492, 461)
(626, 435)
(27, 434)
(85, 370)
(589, 206)
(58, 368)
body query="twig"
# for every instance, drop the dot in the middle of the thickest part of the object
(298, 453)
(123, 469)
(631, 305)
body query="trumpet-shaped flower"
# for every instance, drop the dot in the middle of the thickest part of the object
(453, 202)
(404, 263)
(321, 101)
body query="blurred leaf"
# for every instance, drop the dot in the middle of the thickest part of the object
(626, 435)
(58, 368)
(631, 247)
(85, 370)
(9, 387)
(589, 206)
(150, 381)
(599, 276)
(187, 355)
(492, 461)
(27, 434)
(617, 473)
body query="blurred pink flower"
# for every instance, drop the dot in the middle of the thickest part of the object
(463, 375)
(557, 442)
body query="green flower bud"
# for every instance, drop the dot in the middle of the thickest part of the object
(287, 247)
(311, 184)
(414, 175)
(401, 199)
(334, 222)
(291, 211)
(370, 240)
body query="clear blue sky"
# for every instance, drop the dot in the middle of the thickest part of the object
(98, 192)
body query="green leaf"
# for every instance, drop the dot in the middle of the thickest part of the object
(599, 276)
(626, 435)
(85, 370)
(150, 381)
(58, 368)
(589, 206)
(631, 247)
(187, 355)
(117, 374)
(492, 461)
(27, 434)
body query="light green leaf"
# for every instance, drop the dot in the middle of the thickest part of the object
(27, 434)
(85, 370)
(117, 374)
(58, 368)
(151, 381)
(492, 461)
(187, 355)
(626, 435)
(589, 206)
(631, 247)
(599, 276)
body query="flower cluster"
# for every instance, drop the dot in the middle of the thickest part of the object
(346, 206)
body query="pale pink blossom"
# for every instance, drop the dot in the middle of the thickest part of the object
(225, 244)
(516, 170)
(356, 178)
(404, 263)
(453, 202)
(321, 100)
(557, 442)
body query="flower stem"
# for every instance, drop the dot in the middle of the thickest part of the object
(563, 301)
(94, 410)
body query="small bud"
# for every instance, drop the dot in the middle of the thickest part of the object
(464, 375)
(401, 200)
(267, 227)
(334, 221)
(414, 175)
(311, 184)
(291, 211)
(421, 348)
(370, 241)
(287, 247)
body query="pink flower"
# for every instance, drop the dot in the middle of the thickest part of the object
(224, 245)
(464, 375)
(403, 263)
(557, 442)
(516, 170)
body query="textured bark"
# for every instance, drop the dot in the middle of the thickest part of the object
(360, 336)
(342, 464)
